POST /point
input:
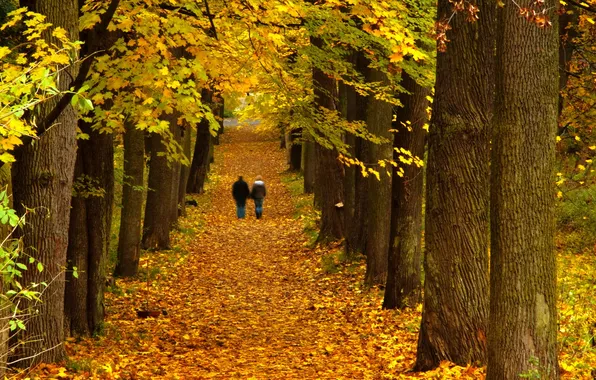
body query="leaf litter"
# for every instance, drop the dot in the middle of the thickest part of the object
(248, 299)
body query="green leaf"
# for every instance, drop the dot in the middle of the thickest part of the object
(22, 266)
(39, 266)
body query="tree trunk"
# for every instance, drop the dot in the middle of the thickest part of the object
(403, 278)
(158, 211)
(523, 316)
(200, 158)
(378, 198)
(89, 234)
(295, 150)
(42, 179)
(330, 181)
(219, 114)
(308, 164)
(176, 168)
(184, 171)
(355, 183)
(329, 171)
(129, 242)
(455, 312)
(75, 295)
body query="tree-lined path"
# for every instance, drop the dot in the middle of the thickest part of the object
(245, 298)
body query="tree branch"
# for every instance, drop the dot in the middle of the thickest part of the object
(97, 31)
(582, 5)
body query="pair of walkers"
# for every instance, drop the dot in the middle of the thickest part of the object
(241, 193)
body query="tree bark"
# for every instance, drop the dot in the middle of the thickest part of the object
(176, 167)
(403, 278)
(75, 295)
(523, 318)
(200, 158)
(378, 197)
(42, 179)
(329, 171)
(90, 227)
(308, 164)
(455, 311)
(129, 242)
(295, 149)
(184, 171)
(158, 210)
(355, 183)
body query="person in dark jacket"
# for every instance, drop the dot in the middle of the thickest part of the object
(240, 192)
(258, 193)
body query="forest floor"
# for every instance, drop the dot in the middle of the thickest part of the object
(251, 299)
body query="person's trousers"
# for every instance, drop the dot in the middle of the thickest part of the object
(259, 207)
(240, 210)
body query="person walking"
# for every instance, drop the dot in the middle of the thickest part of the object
(240, 192)
(258, 194)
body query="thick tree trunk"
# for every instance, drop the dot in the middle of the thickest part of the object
(403, 278)
(329, 171)
(184, 170)
(129, 242)
(200, 158)
(75, 296)
(158, 211)
(355, 183)
(523, 317)
(89, 233)
(378, 198)
(330, 180)
(455, 313)
(308, 165)
(42, 179)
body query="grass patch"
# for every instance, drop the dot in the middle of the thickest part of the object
(303, 206)
(81, 365)
(338, 261)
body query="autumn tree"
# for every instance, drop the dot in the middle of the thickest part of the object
(523, 319)
(354, 182)
(42, 179)
(158, 210)
(91, 216)
(89, 232)
(328, 172)
(455, 312)
(200, 158)
(129, 238)
(185, 170)
(378, 194)
(404, 282)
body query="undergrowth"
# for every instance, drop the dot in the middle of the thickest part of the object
(304, 209)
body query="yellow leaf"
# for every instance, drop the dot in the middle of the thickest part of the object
(4, 51)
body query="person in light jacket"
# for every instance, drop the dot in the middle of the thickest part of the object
(258, 194)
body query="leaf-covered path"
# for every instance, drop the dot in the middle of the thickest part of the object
(247, 299)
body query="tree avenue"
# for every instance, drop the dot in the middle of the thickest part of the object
(424, 138)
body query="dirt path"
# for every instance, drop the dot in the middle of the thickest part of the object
(244, 298)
